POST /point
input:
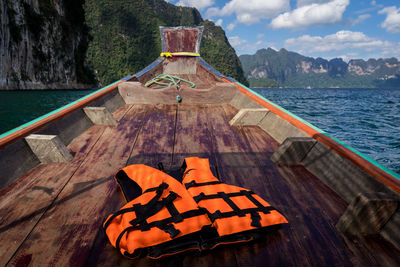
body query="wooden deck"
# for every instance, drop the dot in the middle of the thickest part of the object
(53, 214)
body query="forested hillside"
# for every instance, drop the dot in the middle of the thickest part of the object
(126, 38)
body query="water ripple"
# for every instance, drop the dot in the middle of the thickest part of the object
(366, 119)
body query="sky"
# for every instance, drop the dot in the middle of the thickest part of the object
(348, 29)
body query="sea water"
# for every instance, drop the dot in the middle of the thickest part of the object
(21, 106)
(365, 119)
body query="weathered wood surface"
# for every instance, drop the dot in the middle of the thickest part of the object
(239, 164)
(137, 93)
(54, 181)
(192, 135)
(368, 213)
(23, 203)
(63, 226)
(153, 145)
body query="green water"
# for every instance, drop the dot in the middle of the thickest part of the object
(19, 107)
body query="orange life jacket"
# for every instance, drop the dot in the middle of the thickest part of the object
(236, 213)
(165, 217)
(160, 220)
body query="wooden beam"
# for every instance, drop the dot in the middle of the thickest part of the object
(367, 213)
(48, 148)
(293, 150)
(100, 116)
(249, 116)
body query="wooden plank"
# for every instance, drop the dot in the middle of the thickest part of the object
(156, 140)
(297, 210)
(154, 144)
(220, 256)
(192, 137)
(309, 233)
(66, 232)
(237, 164)
(385, 253)
(331, 207)
(120, 113)
(24, 202)
(320, 207)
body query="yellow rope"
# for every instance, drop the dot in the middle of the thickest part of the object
(179, 54)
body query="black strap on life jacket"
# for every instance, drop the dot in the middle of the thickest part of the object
(255, 216)
(164, 224)
(193, 183)
(143, 212)
(160, 189)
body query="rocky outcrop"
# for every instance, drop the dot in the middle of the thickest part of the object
(43, 45)
(292, 69)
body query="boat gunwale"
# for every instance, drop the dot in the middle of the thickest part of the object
(34, 125)
(381, 173)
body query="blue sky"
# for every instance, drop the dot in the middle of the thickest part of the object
(319, 28)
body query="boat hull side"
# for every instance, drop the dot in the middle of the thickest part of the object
(342, 168)
(68, 122)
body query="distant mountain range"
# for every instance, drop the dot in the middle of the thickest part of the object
(271, 68)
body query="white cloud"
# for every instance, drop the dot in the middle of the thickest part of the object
(250, 11)
(243, 46)
(260, 36)
(392, 21)
(342, 41)
(313, 14)
(361, 18)
(236, 41)
(333, 42)
(212, 12)
(219, 22)
(200, 4)
(231, 26)
(301, 3)
(358, 20)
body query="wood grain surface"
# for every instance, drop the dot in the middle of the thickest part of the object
(53, 215)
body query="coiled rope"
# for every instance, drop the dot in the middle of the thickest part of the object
(166, 80)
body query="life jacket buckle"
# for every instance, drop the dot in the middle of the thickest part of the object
(255, 219)
(215, 215)
(199, 197)
(170, 229)
(190, 184)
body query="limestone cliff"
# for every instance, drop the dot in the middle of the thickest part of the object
(290, 69)
(43, 45)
